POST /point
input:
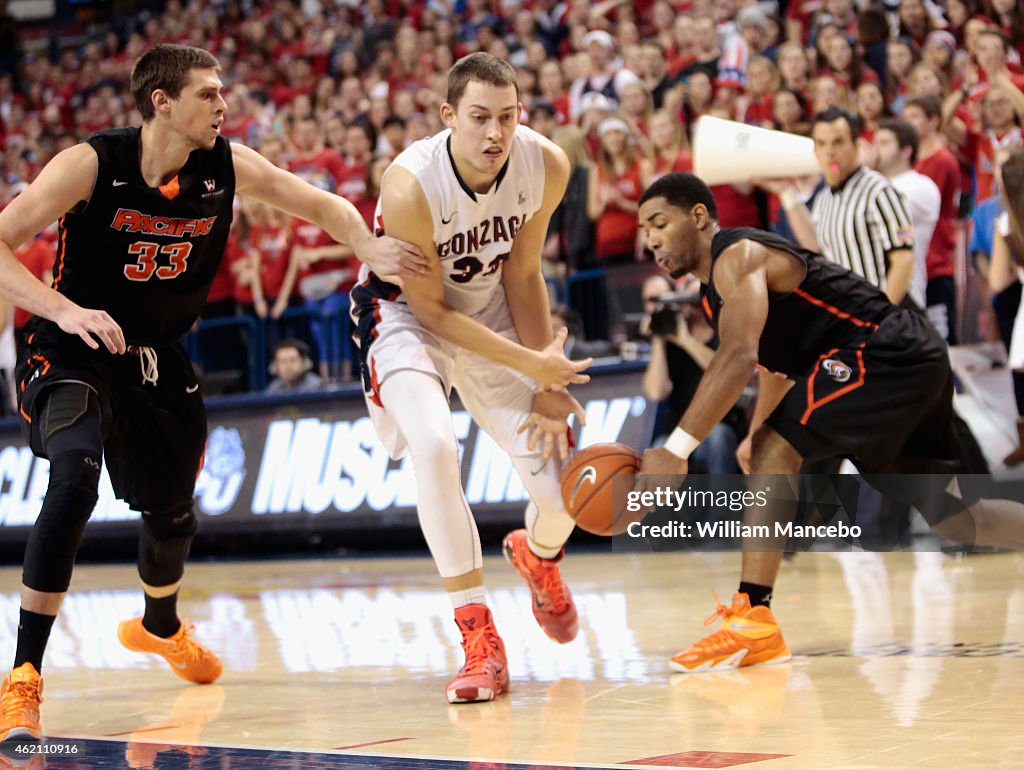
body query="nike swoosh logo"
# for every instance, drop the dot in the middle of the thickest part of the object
(587, 476)
(116, 183)
(446, 221)
(180, 666)
(192, 389)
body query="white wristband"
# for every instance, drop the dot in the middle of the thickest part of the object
(681, 444)
(790, 199)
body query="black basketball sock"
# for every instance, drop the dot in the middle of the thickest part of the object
(161, 618)
(758, 594)
(33, 634)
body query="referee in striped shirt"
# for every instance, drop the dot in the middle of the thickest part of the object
(859, 220)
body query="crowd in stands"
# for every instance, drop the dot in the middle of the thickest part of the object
(334, 90)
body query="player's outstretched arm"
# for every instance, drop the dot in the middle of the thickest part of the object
(63, 184)
(741, 280)
(258, 178)
(407, 216)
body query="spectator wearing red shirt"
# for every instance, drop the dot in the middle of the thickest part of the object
(636, 109)
(842, 14)
(224, 349)
(311, 160)
(958, 12)
(991, 50)
(352, 103)
(671, 147)
(1010, 16)
(789, 113)
(683, 49)
(1001, 107)
(38, 255)
(940, 53)
(827, 92)
(794, 69)
(324, 271)
(298, 79)
(936, 162)
(621, 176)
(762, 83)
(915, 21)
(551, 83)
(845, 64)
(238, 123)
(901, 58)
(700, 96)
(871, 108)
(354, 182)
(407, 70)
(799, 14)
(263, 283)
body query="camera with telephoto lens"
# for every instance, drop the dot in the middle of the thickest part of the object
(665, 316)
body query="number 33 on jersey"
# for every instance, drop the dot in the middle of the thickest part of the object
(147, 255)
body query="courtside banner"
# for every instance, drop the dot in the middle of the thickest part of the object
(317, 463)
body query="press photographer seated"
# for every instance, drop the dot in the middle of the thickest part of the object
(682, 344)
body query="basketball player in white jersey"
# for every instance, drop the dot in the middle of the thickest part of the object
(477, 199)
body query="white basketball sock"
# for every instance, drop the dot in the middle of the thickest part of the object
(475, 595)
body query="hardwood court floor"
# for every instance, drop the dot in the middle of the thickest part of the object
(901, 661)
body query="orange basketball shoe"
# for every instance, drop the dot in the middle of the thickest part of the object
(750, 635)
(20, 696)
(187, 658)
(553, 606)
(485, 674)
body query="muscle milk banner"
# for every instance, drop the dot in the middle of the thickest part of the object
(318, 463)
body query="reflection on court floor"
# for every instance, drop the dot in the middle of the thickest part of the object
(342, 663)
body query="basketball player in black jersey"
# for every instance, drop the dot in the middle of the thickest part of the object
(144, 217)
(848, 374)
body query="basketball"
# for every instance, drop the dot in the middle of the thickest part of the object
(587, 488)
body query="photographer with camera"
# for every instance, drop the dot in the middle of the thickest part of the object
(681, 348)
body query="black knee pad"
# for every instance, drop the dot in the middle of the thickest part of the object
(163, 546)
(68, 416)
(70, 498)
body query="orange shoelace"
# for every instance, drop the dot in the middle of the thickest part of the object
(19, 695)
(722, 611)
(549, 588)
(186, 644)
(721, 639)
(478, 644)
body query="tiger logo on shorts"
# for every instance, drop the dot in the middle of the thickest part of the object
(836, 369)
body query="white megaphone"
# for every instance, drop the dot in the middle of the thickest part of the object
(726, 152)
